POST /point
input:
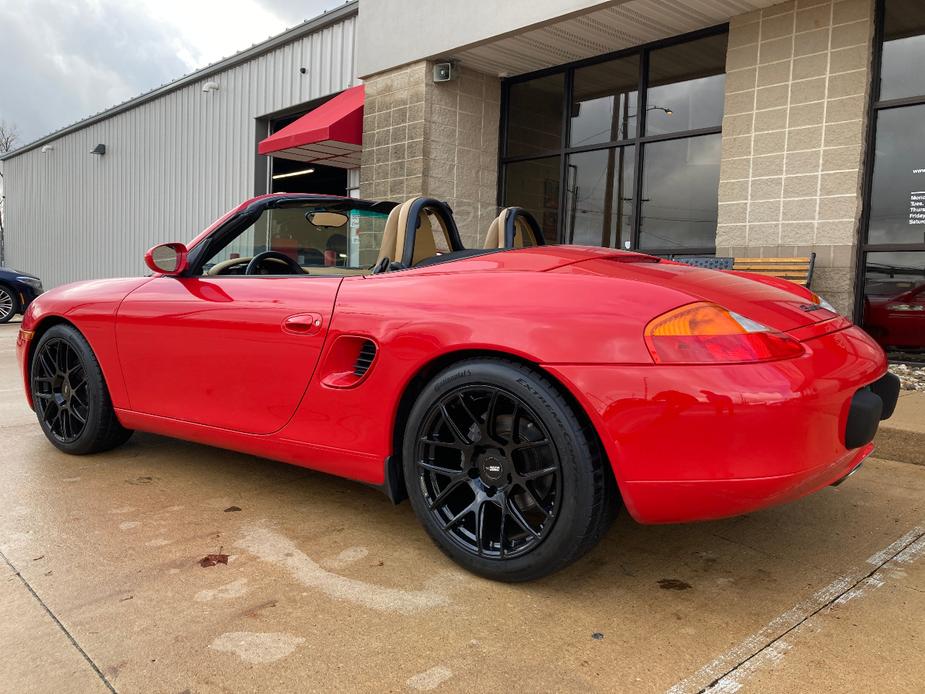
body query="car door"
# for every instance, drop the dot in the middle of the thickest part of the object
(224, 351)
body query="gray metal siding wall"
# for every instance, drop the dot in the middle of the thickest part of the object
(172, 165)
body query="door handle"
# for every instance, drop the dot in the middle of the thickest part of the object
(303, 324)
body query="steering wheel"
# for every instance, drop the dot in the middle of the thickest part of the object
(254, 265)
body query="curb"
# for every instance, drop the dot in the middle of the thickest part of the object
(901, 445)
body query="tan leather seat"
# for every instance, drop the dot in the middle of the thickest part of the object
(393, 237)
(389, 236)
(495, 236)
(523, 235)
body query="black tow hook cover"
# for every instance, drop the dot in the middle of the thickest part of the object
(863, 418)
(887, 387)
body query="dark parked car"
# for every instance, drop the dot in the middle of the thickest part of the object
(17, 290)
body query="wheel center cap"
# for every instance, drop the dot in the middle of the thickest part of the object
(492, 467)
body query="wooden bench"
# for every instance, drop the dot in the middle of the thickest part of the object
(799, 270)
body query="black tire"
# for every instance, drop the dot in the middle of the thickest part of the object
(9, 304)
(69, 394)
(527, 459)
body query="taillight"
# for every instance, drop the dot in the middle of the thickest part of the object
(820, 301)
(706, 333)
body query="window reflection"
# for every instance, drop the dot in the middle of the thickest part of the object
(901, 71)
(897, 204)
(604, 103)
(535, 115)
(679, 194)
(599, 208)
(686, 86)
(534, 185)
(894, 302)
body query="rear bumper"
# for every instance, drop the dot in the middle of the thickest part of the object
(701, 442)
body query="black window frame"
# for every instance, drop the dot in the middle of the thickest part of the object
(875, 106)
(639, 140)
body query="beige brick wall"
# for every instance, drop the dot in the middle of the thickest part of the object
(797, 89)
(438, 140)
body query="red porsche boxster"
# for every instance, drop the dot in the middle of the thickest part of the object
(517, 397)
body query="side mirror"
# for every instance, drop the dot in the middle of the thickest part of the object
(167, 258)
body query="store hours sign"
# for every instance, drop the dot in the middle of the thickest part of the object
(917, 203)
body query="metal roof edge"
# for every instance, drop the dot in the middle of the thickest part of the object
(309, 26)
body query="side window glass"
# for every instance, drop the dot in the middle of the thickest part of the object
(316, 238)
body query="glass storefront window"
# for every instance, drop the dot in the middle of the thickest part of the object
(892, 274)
(901, 73)
(599, 197)
(534, 185)
(897, 203)
(679, 198)
(687, 84)
(535, 115)
(894, 302)
(632, 176)
(604, 102)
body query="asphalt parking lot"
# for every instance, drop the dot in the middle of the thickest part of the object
(330, 587)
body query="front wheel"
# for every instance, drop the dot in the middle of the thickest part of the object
(70, 396)
(501, 472)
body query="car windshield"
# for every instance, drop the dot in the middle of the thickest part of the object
(315, 235)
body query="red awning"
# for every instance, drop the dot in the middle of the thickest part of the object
(331, 134)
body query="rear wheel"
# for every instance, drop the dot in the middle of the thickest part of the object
(70, 396)
(501, 472)
(9, 305)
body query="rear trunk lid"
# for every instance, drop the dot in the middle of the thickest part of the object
(775, 307)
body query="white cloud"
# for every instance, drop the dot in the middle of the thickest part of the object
(63, 60)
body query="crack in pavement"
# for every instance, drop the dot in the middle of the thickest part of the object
(61, 626)
(768, 644)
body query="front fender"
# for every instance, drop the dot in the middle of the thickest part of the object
(91, 308)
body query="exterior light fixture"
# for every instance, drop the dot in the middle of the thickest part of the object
(46, 148)
(99, 149)
(210, 86)
(301, 172)
(444, 72)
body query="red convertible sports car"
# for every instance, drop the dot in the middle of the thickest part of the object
(517, 397)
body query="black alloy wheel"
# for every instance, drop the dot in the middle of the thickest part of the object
(502, 471)
(489, 471)
(69, 394)
(60, 382)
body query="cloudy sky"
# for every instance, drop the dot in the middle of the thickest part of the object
(63, 60)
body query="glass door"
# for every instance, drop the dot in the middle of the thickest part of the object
(892, 276)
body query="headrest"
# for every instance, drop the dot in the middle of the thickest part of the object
(389, 236)
(495, 236)
(395, 234)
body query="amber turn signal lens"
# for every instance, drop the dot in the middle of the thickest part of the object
(704, 333)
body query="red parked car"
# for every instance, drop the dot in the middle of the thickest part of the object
(517, 397)
(896, 319)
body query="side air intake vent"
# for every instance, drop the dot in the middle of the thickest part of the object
(364, 358)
